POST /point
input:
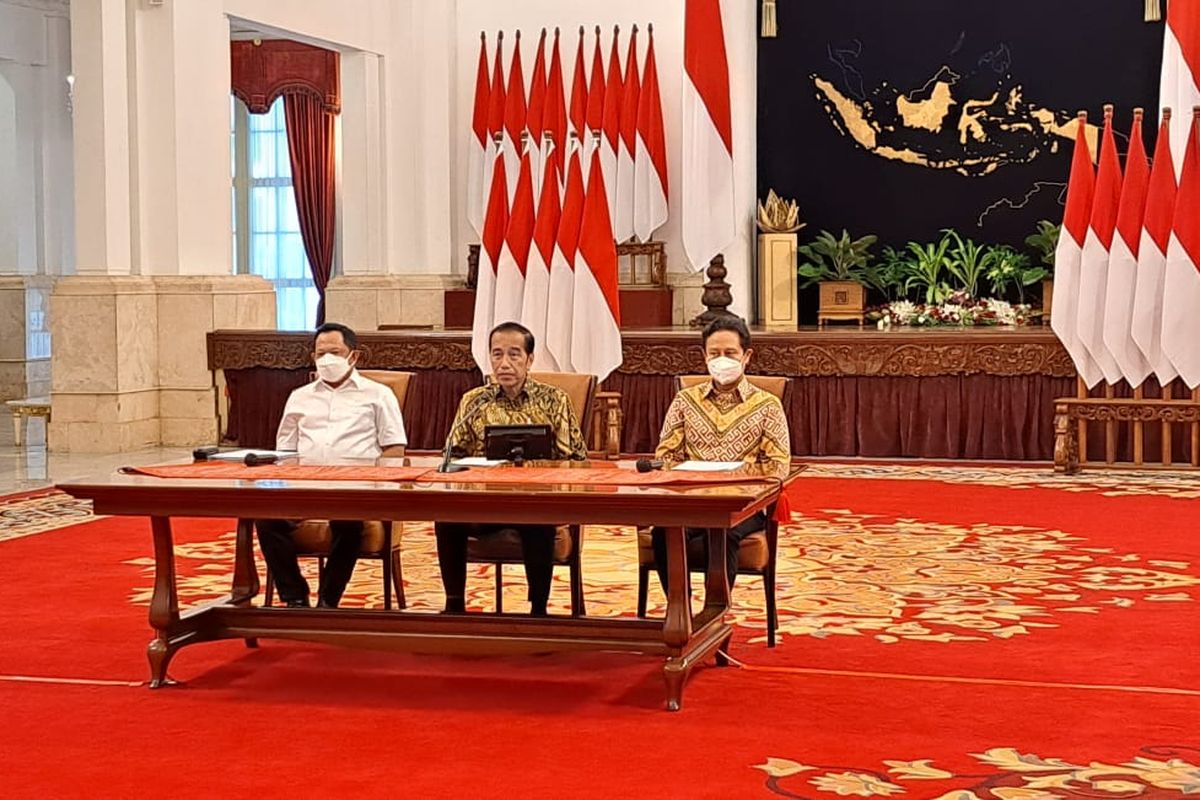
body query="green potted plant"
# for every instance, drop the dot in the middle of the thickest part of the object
(1005, 267)
(924, 267)
(1044, 242)
(838, 265)
(965, 262)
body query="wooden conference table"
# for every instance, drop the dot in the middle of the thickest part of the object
(408, 490)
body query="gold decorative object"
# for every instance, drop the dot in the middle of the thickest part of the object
(770, 23)
(778, 215)
(1153, 11)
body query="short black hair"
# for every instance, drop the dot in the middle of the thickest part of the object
(735, 324)
(348, 335)
(514, 327)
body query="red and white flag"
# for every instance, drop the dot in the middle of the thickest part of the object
(596, 321)
(1093, 265)
(707, 205)
(650, 160)
(627, 146)
(535, 306)
(495, 222)
(495, 123)
(514, 256)
(1181, 283)
(577, 109)
(535, 114)
(1179, 84)
(611, 142)
(1152, 256)
(516, 117)
(555, 119)
(562, 267)
(477, 152)
(1064, 313)
(1122, 261)
(594, 125)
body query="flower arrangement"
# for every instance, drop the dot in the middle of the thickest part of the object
(957, 310)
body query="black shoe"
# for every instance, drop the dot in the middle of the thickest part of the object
(323, 603)
(455, 605)
(301, 602)
(538, 610)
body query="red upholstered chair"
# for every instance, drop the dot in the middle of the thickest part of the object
(504, 547)
(313, 537)
(758, 552)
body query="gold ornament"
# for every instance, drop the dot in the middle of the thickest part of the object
(778, 215)
(770, 24)
(1153, 10)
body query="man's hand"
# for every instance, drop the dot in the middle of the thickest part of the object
(393, 451)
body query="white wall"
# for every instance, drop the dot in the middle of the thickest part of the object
(35, 141)
(530, 16)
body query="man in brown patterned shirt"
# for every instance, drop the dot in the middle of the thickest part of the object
(726, 418)
(514, 399)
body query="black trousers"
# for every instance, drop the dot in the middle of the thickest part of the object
(279, 549)
(733, 538)
(537, 549)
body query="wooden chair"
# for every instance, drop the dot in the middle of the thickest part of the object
(314, 539)
(504, 547)
(757, 553)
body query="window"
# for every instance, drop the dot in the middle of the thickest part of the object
(266, 230)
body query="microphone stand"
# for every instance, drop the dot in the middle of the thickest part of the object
(448, 450)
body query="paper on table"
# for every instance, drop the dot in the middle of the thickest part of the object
(240, 455)
(709, 466)
(478, 461)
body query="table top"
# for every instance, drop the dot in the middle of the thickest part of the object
(566, 502)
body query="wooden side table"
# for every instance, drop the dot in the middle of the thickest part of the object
(23, 409)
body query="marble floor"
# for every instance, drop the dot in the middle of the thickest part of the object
(31, 467)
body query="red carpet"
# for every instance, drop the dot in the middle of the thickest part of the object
(946, 634)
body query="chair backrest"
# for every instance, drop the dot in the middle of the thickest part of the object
(580, 388)
(393, 379)
(768, 383)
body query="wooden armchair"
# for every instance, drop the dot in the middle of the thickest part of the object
(505, 547)
(313, 537)
(757, 553)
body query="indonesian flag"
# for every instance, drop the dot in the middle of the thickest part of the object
(707, 205)
(627, 146)
(478, 150)
(1178, 86)
(1152, 256)
(577, 115)
(514, 256)
(1122, 262)
(1067, 255)
(1181, 284)
(535, 114)
(650, 161)
(596, 321)
(555, 120)
(495, 222)
(594, 124)
(534, 308)
(495, 122)
(1093, 265)
(562, 267)
(516, 117)
(609, 144)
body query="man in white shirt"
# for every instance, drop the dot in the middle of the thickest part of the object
(341, 415)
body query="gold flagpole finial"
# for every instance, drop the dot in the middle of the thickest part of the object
(1153, 11)
(770, 21)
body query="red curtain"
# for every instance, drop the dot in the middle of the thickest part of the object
(311, 149)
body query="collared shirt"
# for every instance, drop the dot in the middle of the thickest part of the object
(745, 424)
(537, 404)
(355, 420)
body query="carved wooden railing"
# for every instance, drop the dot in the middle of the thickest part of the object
(1072, 415)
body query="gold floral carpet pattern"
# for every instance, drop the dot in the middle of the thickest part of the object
(25, 515)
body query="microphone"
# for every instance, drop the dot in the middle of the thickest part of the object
(203, 453)
(448, 450)
(255, 460)
(646, 464)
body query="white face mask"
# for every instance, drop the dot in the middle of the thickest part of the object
(333, 368)
(725, 370)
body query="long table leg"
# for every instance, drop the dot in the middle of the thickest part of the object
(164, 605)
(677, 628)
(245, 574)
(716, 585)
